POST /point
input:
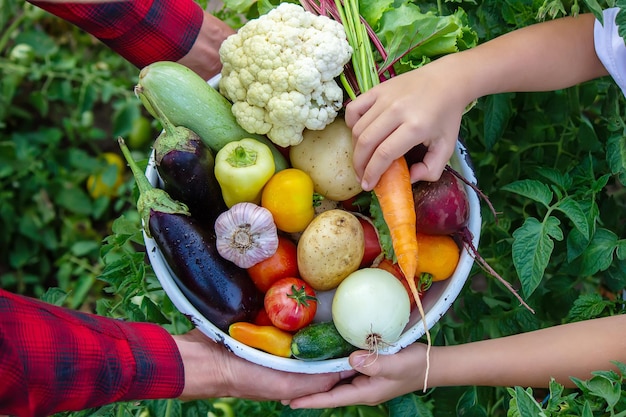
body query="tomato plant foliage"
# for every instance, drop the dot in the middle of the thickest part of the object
(553, 164)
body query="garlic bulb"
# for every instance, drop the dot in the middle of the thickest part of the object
(246, 234)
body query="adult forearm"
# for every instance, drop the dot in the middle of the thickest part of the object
(542, 57)
(55, 359)
(144, 32)
(531, 359)
(203, 57)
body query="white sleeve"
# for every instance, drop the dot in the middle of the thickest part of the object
(610, 47)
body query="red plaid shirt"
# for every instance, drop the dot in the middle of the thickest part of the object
(141, 31)
(55, 359)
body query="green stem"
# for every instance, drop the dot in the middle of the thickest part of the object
(363, 60)
(85, 265)
(346, 86)
(168, 408)
(150, 198)
(242, 157)
(7, 33)
(142, 182)
(167, 125)
(120, 410)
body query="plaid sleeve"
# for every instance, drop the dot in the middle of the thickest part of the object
(54, 359)
(141, 31)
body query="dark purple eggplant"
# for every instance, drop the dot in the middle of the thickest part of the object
(186, 166)
(217, 288)
(221, 291)
(188, 173)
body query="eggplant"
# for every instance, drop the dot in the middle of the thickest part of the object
(186, 166)
(221, 291)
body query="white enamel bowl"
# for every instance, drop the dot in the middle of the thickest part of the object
(437, 300)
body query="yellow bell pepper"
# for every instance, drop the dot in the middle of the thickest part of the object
(242, 169)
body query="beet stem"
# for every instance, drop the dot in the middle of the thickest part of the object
(467, 243)
(476, 189)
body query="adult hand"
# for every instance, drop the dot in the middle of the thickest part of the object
(212, 371)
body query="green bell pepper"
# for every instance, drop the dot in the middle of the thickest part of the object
(242, 168)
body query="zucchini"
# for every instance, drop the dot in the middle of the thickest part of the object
(320, 341)
(187, 100)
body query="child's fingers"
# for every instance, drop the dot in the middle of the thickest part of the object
(393, 143)
(434, 162)
(390, 367)
(358, 107)
(374, 151)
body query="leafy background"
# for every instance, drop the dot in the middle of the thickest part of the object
(553, 164)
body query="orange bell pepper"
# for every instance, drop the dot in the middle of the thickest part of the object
(267, 338)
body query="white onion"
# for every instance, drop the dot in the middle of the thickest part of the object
(371, 308)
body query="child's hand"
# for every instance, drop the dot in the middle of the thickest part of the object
(423, 106)
(383, 377)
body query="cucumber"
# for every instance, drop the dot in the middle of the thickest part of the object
(188, 100)
(320, 341)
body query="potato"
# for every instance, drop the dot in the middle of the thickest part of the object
(330, 249)
(326, 155)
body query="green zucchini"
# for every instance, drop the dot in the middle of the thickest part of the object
(320, 341)
(188, 100)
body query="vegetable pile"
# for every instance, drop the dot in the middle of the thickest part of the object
(290, 255)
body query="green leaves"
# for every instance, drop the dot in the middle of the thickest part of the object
(432, 34)
(589, 306)
(497, 114)
(469, 405)
(532, 189)
(532, 248)
(523, 404)
(534, 242)
(600, 395)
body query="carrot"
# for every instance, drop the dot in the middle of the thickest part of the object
(395, 197)
(393, 190)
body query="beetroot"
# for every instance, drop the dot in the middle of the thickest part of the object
(441, 207)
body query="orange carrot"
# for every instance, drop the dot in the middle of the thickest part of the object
(395, 197)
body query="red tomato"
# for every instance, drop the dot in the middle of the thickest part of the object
(290, 304)
(262, 319)
(282, 264)
(372, 244)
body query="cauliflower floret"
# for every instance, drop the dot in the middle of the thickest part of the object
(251, 118)
(279, 71)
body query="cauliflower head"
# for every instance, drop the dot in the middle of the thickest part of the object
(279, 72)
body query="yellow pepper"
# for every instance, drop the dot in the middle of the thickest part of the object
(242, 168)
(266, 338)
(108, 181)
